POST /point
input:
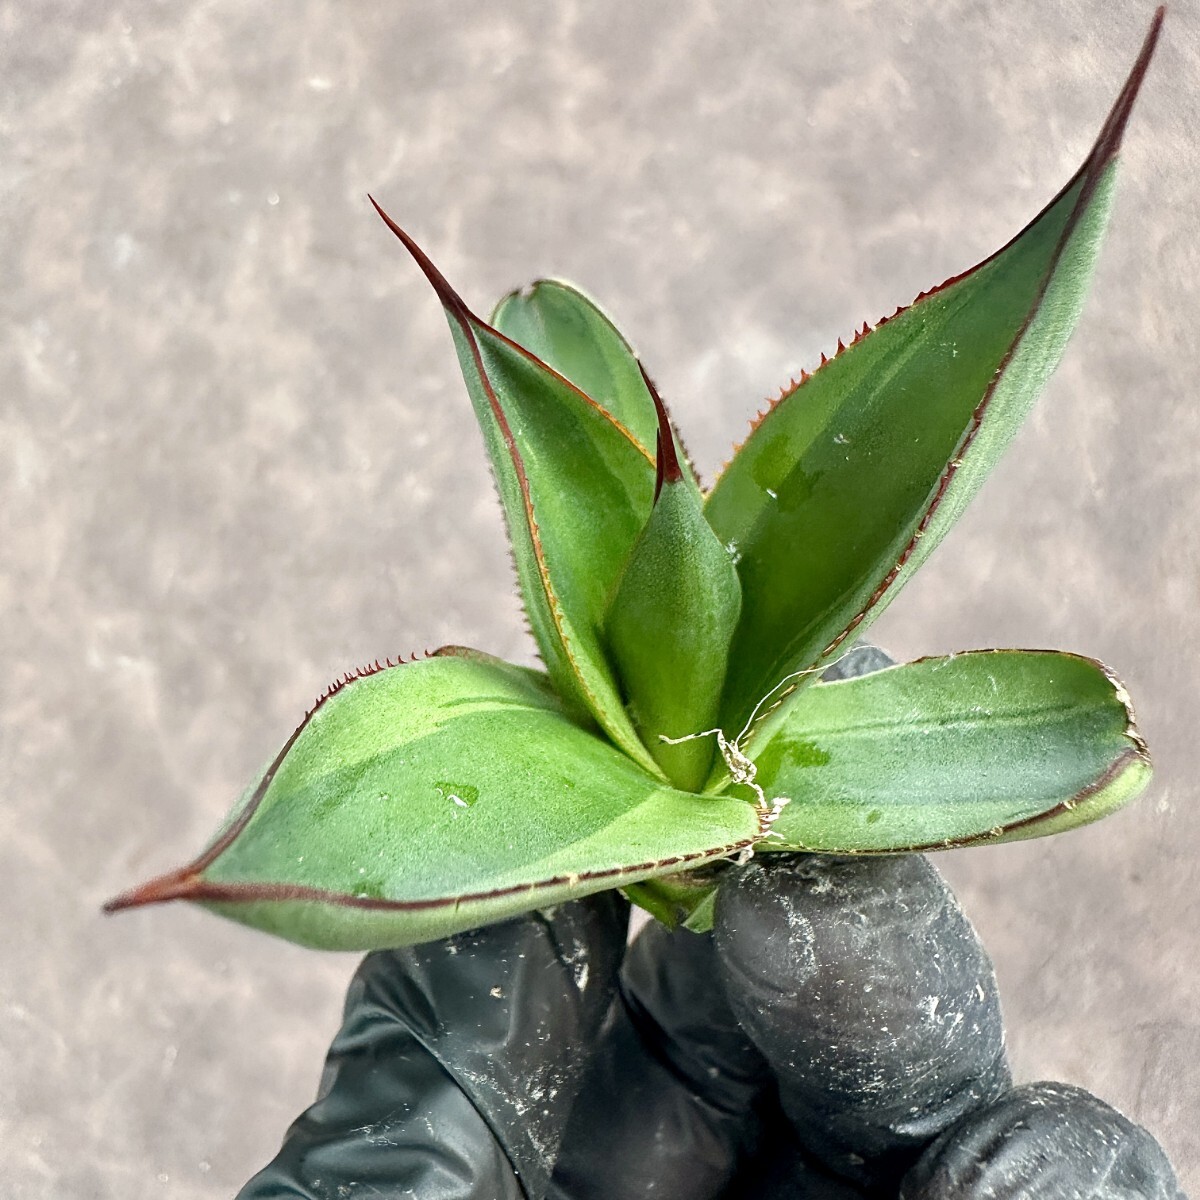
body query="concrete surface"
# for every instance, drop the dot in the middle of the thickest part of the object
(236, 458)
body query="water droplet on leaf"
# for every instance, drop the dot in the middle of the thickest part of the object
(461, 795)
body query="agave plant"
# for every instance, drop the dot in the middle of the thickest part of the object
(682, 719)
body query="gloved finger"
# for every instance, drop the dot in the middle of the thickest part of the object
(672, 1105)
(1048, 1141)
(457, 1062)
(781, 1170)
(865, 987)
(678, 1100)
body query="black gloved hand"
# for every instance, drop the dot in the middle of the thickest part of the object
(838, 1036)
(457, 1063)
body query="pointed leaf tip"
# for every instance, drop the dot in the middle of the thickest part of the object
(547, 438)
(390, 818)
(667, 468)
(446, 294)
(976, 350)
(1109, 141)
(182, 884)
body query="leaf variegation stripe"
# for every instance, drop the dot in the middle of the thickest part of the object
(847, 483)
(429, 798)
(576, 487)
(986, 746)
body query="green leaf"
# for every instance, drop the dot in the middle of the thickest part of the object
(855, 474)
(569, 332)
(419, 800)
(670, 623)
(686, 899)
(987, 746)
(576, 487)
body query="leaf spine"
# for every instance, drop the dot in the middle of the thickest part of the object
(363, 672)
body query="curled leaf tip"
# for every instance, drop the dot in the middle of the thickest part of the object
(667, 466)
(1132, 732)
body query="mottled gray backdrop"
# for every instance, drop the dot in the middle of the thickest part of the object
(236, 457)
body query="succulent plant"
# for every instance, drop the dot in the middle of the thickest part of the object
(682, 719)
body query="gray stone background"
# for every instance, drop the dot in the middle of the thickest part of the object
(236, 457)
